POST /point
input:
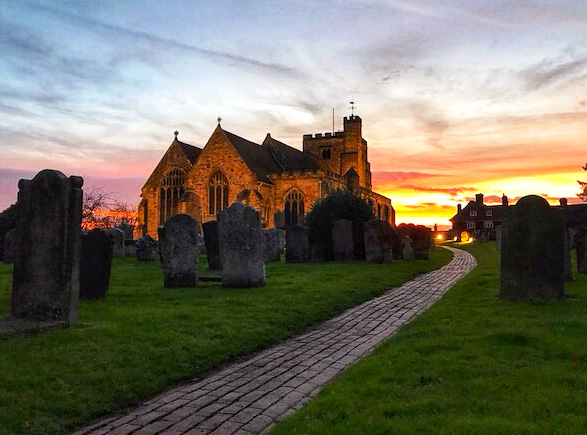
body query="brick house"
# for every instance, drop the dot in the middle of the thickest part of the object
(274, 178)
(479, 219)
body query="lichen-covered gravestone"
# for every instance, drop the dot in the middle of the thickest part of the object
(377, 241)
(297, 245)
(581, 248)
(45, 283)
(212, 245)
(146, 248)
(96, 264)
(408, 251)
(179, 251)
(532, 252)
(241, 246)
(271, 239)
(117, 237)
(342, 240)
(9, 246)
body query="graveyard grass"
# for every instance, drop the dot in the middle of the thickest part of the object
(143, 339)
(470, 364)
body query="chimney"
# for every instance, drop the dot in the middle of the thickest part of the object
(479, 198)
(458, 208)
(563, 201)
(504, 200)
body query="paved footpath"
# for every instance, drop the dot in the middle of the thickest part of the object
(248, 397)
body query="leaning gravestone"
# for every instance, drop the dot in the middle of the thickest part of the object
(581, 248)
(532, 252)
(212, 245)
(408, 251)
(241, 246)
(342, 240)
(10, 246)
(146, 248)
(96, 264)
(377, 241)
(117, 237)
(180, 252)
(45, 283)
(297, 245)
(271, 239)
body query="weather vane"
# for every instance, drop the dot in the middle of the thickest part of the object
(353, 107)
(219, 120)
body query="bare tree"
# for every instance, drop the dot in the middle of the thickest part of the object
(583, 184)
(102, 209)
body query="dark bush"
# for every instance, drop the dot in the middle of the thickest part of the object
(8, 220)
(340, 204)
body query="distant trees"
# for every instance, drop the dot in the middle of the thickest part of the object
(101, 209)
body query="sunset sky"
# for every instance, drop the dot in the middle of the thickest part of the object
(456, 97)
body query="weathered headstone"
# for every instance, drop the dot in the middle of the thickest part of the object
(10, 246)
(498, 232)
(342, 240)
(127, 229)
(297, 246)
(532, 252)
(408, 251)
(421, 241)
(117, 237)
(396, 244)
(279, 219)
(581, 249)
(212, 245)
(180, 252)
(45, 283)
(271, 239)
(241, 246)
(281, 240)
(146, 248)
(96, 264)
(377, 241)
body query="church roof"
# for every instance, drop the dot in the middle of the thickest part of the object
(296, 160)
(192, 152)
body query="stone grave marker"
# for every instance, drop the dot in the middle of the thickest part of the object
(127, 229)
(45, 283)
(532, 252)
(241, 246)
(96, 264)
(408, 251)
(581, 249)
(117, 237)
(212, 245)
(146, 248)
(179, 249)
(10, 246)
(297, 246)
(342, 240)
(377, 241)
(271, 239)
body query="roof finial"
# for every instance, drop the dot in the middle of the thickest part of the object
(353, 107)
(219, 120)
(176, 133)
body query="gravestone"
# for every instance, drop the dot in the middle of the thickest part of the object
(271, 239)
(408, 251)
(297, 245)
(10, 246)
(279, 219)
(127, 229)
(532, 252)
(342, 240)
(117, 237)
(498, 232)
(146, 248)
(212, 245)
(421, 241)
(317, 251)
(45, 284)
(395, 242)
(241, 246)
(179, 249)
(281, 241)
(96, 263)
(581, 249)
(568, 272)
(377, 241)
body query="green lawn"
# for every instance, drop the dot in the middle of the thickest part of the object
(470, 364)
(142, 339)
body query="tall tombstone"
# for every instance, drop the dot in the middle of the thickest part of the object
(408, 252)
(421, 236)
(297, 245)
(179, 252)
(212, 245)
(396, 244)
(10, 246)
(271, 239)
(241, 246)
(146, 248)
(581, 249)
(532, 252)
(281, 240)
(342, 240)
(377, 241)
(96, 264)
(117, 237)
(45, 283)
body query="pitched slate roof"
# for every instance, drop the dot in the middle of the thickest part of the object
(192, 152)
(295, 160)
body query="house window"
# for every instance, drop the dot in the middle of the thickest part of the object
(326, 152)
(294, 208)
(489, 213)
(488, 224)
(171, 190)
(473, 213)
(217, 193)
(471, 225)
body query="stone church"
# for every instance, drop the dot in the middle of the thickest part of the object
(276, 179)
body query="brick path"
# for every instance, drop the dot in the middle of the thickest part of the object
(248, 397)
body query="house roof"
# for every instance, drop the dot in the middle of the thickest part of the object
(497, 212)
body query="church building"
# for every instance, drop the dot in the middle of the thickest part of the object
(276, 179)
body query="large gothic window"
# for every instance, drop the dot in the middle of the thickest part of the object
(171, 190)
(217, 193)
(294, 208)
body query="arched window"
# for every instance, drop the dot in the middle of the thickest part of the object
(294, 208)
(171, 190)
(217, 193)
(326, 153)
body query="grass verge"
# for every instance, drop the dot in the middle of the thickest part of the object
(143, 338)
(470, 364)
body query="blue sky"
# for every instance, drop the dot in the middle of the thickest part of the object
(465, 95)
